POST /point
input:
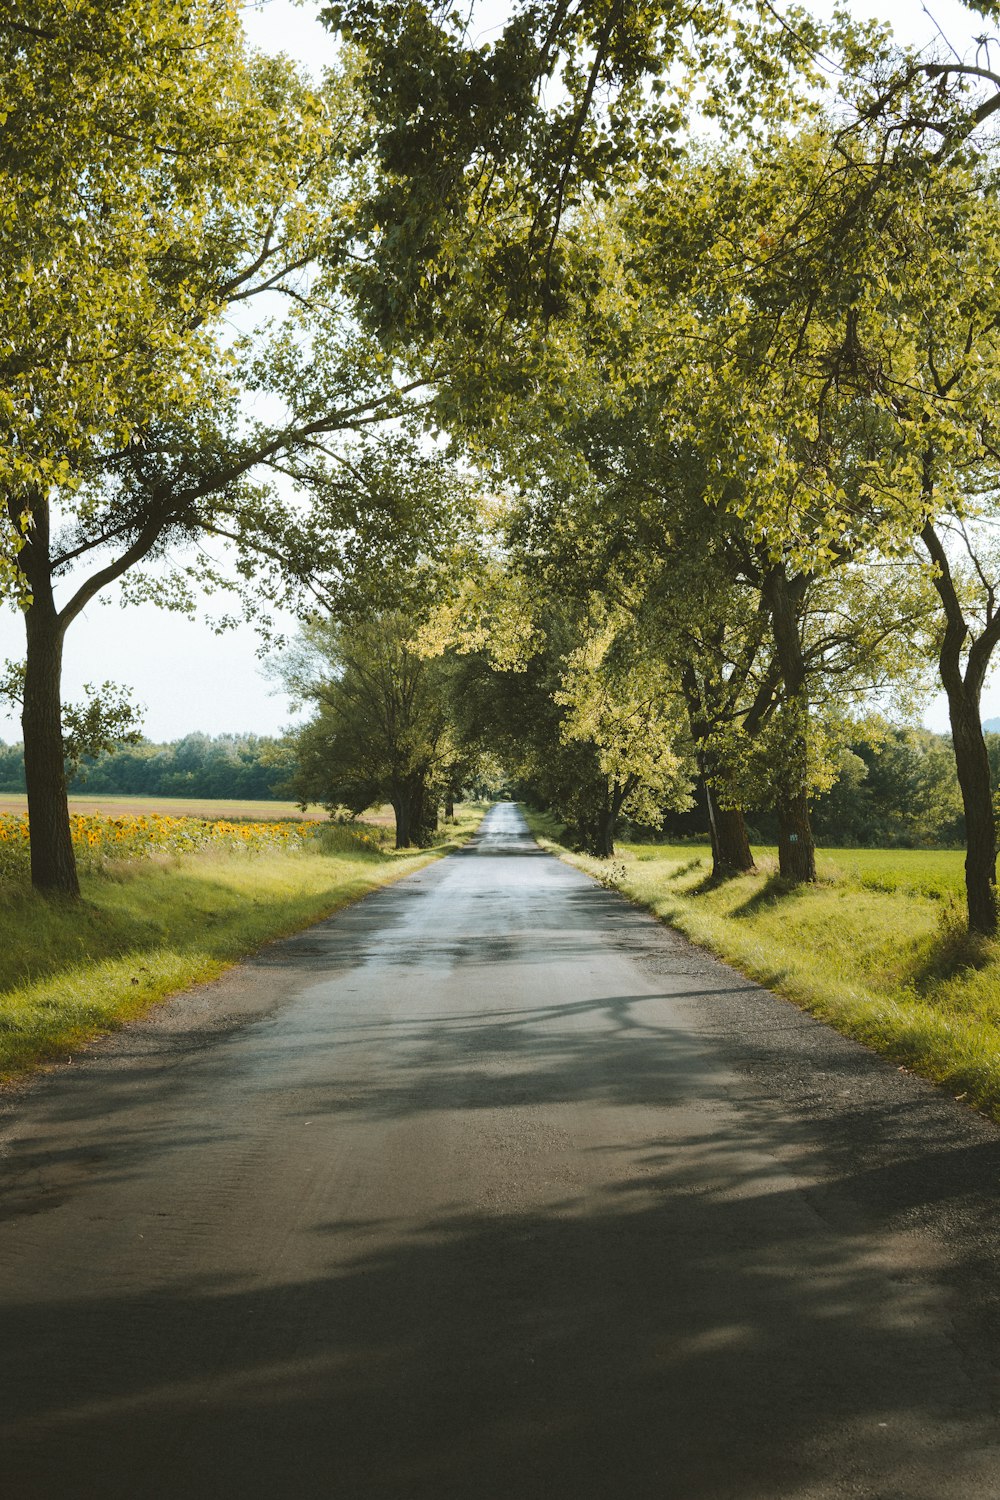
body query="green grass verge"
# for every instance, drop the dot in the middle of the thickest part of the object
(145, 930)
(877, 947)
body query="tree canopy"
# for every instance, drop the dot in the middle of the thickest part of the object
(184, 180)
(660, 460)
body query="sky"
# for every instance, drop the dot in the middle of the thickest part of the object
(187, 677)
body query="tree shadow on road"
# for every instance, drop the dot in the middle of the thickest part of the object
(683, 1329)
(669, 1270)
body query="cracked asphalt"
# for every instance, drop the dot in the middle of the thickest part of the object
(489, 1186)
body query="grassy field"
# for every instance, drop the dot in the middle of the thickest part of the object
(147, 928)
(876, 948)
(230, 808)
(178, 807)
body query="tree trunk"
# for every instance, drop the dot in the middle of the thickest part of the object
(53, 862)
(604, 833)
(973, 767)
(416, 816)
(796, 849)
(730, 845)
(602, 841)
(449, 807)
(424, 814)
(417, 830)
(964, 690)
(731, 852)
(401, 811)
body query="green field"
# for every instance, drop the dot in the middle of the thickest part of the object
(877, 947)
(228, 808)
(146, 929)
(928, 872)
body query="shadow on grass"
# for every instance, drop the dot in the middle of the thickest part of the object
(952, 951)
(774, 889)
(137, 911)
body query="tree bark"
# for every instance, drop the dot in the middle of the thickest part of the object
(604, 833)
(53, 861)
(973, 767)
(424, 817)
(964, 690)
(401, 812)
(416, 817)
(796, 848)
(731, 852)
(601, 828)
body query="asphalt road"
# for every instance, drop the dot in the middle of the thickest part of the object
(491, 1187)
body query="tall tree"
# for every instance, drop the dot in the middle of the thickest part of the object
(802, 289)
(966, 577)
(163, 179)
(842, 363)
(381, 731)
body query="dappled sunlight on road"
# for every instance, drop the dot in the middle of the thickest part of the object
(493, 1188)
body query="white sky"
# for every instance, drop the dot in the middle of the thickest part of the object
(187, 677)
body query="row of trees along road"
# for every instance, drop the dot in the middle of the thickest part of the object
(902, 792)
(733, 397)
(746, 387)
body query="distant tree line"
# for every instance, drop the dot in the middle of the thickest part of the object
(244, 766)
(733, 395)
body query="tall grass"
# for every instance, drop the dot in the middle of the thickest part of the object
(147, 928)
(877, 948)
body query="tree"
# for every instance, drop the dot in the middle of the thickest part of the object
(970, 635)
(162, 179)
(626, 496)
(627, 709)
(486, 145)
(845, 374)
(381, 730)
(803, 294)
(897, 789)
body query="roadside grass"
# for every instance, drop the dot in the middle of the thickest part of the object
(877, 948)
(145, 929)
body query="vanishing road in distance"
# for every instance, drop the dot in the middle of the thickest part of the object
(490, 1188)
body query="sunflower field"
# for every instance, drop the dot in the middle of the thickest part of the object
(99, 839)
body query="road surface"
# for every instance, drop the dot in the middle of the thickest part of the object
(490, 1187)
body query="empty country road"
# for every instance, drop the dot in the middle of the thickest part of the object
(490, 1187)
